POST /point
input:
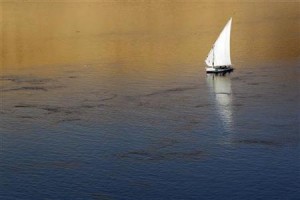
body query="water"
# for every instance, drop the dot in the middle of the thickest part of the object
(109, 100)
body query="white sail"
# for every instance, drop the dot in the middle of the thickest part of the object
(219, 55)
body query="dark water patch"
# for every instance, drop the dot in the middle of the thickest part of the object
(88, 106)
(264, 75)
(131, 98)
(248, 73)
(193, 121)
(247, 96)
(42, 165)
(26, 88)
(144, 155)
(165, 142)
(61, 165)
(52, 109)
(20, 79)
(140, 184)
(241, 96)
(31, 88)
(101, 105)
(254, 83)
(144, 104)
(284, 86)
(255, 96)
(172, 90)
(57, 114)
(59, 109)
(101, 196)
(38, 81)
(185, 128)
(244, 77)
(227, 93)
(25, 106)
(152, 105)
(108, 98)
(141, 102)
(68, 120)
(49, 108)
(8, 78)
(256, 142)
(280, 125)
(238, 105)
(26, 117)
(65, 110)
(202, 105)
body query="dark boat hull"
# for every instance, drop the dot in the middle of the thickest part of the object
(219, 70)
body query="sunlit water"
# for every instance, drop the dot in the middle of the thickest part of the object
(116, 104)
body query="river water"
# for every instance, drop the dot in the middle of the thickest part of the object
(110, 100)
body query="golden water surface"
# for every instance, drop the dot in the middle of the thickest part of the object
(48, 33)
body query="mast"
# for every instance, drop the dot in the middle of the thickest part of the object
(213, 60)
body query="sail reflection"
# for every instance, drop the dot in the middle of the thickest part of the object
(220, 86)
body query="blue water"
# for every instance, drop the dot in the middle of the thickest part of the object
(93, 134)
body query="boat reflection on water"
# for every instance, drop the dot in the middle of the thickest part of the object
(220, 87)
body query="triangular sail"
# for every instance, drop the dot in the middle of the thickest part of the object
(219, 55)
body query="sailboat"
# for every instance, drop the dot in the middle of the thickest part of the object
(218, 59)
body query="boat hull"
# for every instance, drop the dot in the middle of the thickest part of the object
(218, 69)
